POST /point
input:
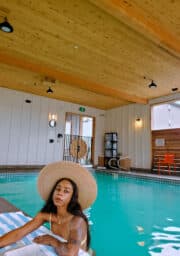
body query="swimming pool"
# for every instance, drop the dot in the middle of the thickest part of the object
(130, 216)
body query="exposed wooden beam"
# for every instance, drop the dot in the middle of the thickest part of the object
(135, 18)
(14, 59)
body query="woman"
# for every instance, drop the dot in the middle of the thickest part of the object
(59, 184)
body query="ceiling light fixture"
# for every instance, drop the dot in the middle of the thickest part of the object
(49, 90)
(152, 85)
(6, 27)
(174, 89)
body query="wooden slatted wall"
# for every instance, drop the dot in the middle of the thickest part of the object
(171, 138)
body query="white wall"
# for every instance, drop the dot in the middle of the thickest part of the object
(165, 116)
(24, 130)
(25, 134)
(134, 142)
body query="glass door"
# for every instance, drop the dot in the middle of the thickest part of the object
(79, 139)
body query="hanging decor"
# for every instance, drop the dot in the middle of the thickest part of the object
(78, 148)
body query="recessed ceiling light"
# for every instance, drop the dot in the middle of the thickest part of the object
(76, 46)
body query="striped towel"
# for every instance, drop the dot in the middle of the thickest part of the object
(12, 220)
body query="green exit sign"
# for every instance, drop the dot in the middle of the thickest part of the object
(82, 109)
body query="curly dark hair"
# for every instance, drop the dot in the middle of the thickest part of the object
(74, 206)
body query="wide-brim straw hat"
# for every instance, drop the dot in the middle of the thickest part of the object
(51, 173)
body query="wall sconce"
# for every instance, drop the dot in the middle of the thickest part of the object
(52, 120)
(138, 122)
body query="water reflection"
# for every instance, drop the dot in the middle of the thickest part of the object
(165, 242)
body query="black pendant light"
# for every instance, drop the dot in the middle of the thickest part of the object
(152, 85)
(6, 27)
(49, 90)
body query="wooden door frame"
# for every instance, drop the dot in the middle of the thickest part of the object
(93, 130)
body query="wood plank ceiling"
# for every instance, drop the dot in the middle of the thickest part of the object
(99, 53)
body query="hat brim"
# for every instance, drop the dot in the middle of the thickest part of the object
(84, 180)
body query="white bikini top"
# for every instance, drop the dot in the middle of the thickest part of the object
(61, 239)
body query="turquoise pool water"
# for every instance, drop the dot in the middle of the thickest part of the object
(130, 216)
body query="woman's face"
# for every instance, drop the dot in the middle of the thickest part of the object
(62, 193)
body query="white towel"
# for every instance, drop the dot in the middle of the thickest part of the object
(35, 250)
(28, 250)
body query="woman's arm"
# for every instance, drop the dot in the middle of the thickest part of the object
(20, 232)
(78, 231)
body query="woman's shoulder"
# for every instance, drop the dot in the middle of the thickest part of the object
(42, 216)
(77, 221)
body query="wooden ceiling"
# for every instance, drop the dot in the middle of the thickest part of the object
(99, 53)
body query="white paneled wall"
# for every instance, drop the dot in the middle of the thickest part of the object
(25, 134)
(24, 130)
(134, 142)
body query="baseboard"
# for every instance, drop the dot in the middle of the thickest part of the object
(141, 170)
(16, 168)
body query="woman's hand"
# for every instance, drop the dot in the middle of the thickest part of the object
(46, 239)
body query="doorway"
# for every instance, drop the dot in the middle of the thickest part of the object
(79, 139)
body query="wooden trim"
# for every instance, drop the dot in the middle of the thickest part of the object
(45, 69)
(172, 145)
